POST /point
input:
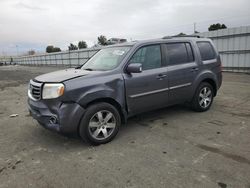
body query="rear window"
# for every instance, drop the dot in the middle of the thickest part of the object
(206, 50)
(178, 53)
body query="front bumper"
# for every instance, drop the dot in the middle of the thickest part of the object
(57, 116)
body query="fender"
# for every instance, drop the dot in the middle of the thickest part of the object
(204, 75)
(114, 90)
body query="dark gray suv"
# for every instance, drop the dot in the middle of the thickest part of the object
(122, 80)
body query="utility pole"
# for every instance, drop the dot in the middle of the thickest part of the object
(16, 50)
(194, 27)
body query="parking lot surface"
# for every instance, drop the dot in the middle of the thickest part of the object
(171, 147)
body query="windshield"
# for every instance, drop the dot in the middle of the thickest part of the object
(106, 59)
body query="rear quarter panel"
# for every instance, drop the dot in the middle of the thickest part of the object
(209, 69)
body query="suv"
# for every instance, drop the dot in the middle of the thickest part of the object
(120, 81)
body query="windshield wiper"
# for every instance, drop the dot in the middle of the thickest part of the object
(88, 69)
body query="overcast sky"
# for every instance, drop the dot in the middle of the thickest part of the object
(34, 24)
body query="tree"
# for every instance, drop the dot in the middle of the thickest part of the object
(72, 47)
(51, 49)
(102, 40)
(217, 26)
(82, 44)
(56, 49)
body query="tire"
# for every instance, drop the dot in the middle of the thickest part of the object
(100, 124)
(203, 97)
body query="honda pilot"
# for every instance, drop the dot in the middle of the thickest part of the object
(123, 80)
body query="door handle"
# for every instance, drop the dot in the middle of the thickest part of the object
(161, 76)
(194, 69)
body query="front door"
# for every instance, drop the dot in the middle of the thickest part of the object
(149, 89)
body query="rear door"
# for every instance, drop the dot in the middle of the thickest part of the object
(149, 89)
(182, 70)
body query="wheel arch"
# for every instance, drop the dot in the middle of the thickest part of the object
(212, 83)
(206, 76)
(112, 102)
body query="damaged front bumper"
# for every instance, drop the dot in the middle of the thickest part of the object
(57, 116)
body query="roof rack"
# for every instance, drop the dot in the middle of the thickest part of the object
(174, 36)
(167, 37)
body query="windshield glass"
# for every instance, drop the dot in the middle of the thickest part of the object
(106, 59)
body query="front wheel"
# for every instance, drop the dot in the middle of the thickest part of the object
(203, 97)
(100, 124)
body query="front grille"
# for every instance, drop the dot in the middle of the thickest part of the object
(35, 90)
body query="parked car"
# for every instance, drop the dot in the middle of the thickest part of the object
(123, 80)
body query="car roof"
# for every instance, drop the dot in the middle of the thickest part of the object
(161, 40)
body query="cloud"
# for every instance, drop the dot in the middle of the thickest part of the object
(28, 7)
(61, 22)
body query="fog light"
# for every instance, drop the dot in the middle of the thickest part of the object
(53, 120)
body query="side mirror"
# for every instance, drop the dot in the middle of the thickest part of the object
(134, 68)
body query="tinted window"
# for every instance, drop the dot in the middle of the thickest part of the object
(206, 50)
(190, 52)
(148, 56)
(177, 53)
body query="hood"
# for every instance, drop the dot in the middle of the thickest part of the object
(63, 75)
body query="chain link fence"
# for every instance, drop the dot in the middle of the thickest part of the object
(67, 58)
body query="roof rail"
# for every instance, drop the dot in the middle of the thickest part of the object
(167, 37)
(174, 36)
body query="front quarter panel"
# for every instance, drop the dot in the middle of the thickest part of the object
(85, 90)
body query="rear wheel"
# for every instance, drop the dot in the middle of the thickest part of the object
(203, 97)
(100, 124)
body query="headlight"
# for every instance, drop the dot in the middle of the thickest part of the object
(51, 91)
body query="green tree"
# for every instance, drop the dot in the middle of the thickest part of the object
(51, 49)
(72, 47)
(102, 40)
(82, 44)
(217, 26)
(56, 49)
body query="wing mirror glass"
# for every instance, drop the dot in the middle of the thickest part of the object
(134, 68)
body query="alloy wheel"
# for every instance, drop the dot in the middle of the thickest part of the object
(102, 124)
(205, 97)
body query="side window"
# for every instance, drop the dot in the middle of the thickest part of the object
(206, 50)
(148, 56)
(190, 52)
(178, 53)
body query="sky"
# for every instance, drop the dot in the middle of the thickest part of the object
(34, 24)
